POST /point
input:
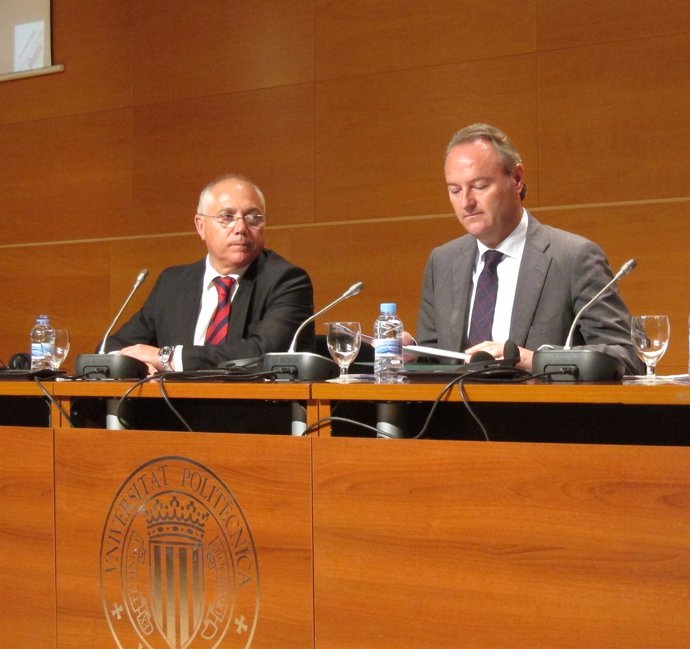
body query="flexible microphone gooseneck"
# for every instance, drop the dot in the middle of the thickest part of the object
(141, 277)
(625, 269)
(306, 366)
(113, 366)
(582, 364)
(351, 292)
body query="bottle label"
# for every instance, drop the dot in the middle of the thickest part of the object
(41, 351)
(388, 347)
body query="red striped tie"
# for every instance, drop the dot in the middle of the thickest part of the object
(217, 330)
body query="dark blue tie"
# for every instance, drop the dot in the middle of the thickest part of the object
(485, 300)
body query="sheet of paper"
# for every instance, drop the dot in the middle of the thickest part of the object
(420, 350)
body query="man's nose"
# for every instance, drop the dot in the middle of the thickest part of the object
(468, 200)
(239, 227)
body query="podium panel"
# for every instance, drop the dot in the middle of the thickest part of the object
(428, 545)
(168, 539)
(27, 560)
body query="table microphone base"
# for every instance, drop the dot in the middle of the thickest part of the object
(583, 365)
(300, 366)
(96, 367)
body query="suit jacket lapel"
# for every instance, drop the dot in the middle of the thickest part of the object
(536, 260)
(241, 301)
(189, 298)
(462, 267)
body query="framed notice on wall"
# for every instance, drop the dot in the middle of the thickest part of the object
(25, 39)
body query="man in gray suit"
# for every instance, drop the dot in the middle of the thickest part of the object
(545, 275)
(270, 297)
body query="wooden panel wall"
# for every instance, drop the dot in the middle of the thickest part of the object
(341, 112)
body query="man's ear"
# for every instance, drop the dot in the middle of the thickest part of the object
(518, 176)
(199, 224)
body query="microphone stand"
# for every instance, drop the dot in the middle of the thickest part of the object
(582, 364)
(137, 283)
(306, 366)
(351, 292)
(113, 366)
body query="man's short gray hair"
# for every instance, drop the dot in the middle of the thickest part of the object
(507, 153)
(206, 191)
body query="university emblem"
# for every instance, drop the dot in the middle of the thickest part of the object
(178, 565)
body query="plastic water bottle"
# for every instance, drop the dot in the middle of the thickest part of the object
(42, 343)
(388, 359)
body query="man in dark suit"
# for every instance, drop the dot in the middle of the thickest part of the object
(545, 275)
(269, 297)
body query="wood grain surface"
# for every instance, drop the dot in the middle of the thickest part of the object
(488, 546)
(270, 480)
(27, 541)
(341, 113)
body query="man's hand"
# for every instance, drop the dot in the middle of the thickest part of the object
(145, 353)
(408, 339)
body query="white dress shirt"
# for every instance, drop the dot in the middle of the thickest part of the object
(209, 302)
(508, 269)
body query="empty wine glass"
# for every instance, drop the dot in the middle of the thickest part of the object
(61, 348)
(343, 340)
(650, 335)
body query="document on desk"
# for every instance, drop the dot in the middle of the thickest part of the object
(420, 350)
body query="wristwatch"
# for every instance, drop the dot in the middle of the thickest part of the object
(164, 356)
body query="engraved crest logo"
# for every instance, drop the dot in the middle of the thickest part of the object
(178, 564)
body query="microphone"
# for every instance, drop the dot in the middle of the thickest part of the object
(113, 366)
(351, 292)
(582, 364)
(306, 366)
(625, 269)
(141, 277)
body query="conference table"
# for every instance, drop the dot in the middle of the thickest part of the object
(171, 538)
(630, 412)
(518, 411)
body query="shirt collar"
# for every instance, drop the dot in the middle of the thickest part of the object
(210, 273)
(513, 244)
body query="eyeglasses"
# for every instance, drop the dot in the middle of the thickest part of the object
(254, 220)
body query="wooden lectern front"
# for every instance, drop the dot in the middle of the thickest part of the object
(27, 559)
(431, 545)
(159, 539)
(183, 540)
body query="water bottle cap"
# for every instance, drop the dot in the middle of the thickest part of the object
(42, 319)
(389, 307)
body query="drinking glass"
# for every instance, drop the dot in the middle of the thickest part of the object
(343, 340)
(61, 348)
(650, 335)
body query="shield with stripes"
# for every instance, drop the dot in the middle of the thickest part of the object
(176, 568)
(179, 567)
